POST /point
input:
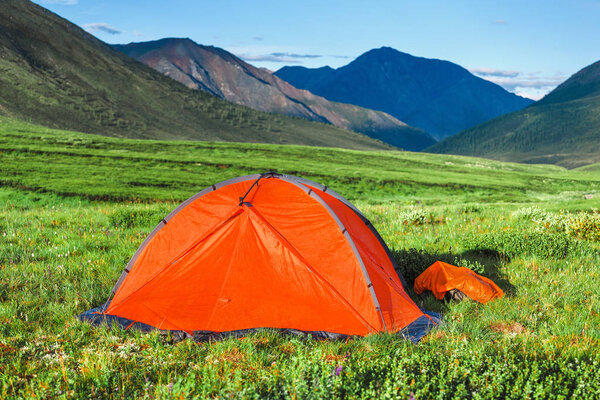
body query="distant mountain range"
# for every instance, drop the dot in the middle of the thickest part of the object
(224, 75)
(437, 96)
(562, 128)
(56, 74)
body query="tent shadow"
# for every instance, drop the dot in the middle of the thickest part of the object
(412, 262)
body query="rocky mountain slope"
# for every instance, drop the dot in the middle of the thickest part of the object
(224, 75)
(437, 96)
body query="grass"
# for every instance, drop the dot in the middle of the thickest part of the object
(74, 208)
(75, 164)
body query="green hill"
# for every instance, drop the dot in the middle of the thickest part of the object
(95, 167)
(54, 73)
(590, 168)
(563, 128)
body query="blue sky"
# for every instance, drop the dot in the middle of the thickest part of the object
(528, 47)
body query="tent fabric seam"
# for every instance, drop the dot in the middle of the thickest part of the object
(297, 254)
(367, 222)
(349, 240)
(186, 251)
(160, 225)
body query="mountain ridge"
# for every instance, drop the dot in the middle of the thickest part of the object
(435, 95)
(562, 128)
(216, 71)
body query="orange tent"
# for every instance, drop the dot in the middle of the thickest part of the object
(264, 251)
(440, 278)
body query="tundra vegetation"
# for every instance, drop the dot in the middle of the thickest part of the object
(74, 208)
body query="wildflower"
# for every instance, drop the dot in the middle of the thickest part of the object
(337, 370)
(411, 396)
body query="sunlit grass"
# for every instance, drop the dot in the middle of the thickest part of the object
(60, 257)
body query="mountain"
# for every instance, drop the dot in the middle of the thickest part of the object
(562, 128)
(224, 75)
(437, 96)
(54, 73)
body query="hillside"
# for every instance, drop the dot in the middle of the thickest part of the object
(96, 167)
(224, 75)
(56, 74)
(437, 96)
(562, 128)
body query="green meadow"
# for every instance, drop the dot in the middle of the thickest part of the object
(75, 207)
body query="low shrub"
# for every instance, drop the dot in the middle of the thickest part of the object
(585, 225)
(412, 262)
(582, 225)
(473, 265)
(557, 245)
(139, 215)
(418, 216)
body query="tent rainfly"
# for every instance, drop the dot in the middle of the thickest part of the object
(264, 251)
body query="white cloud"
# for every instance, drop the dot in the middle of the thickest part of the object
(533, 85)
(494, 72)
(278, 57)
(102, 27)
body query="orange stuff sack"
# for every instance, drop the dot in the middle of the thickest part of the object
(440, 278)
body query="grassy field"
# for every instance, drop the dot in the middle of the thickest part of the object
(74, 208)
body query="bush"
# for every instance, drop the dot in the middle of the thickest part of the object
(412, 262)
(413, 216)
(418, 216)
(139, 215)
(473, 265)
(582, 225)
(555, 245)
(585, 225)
